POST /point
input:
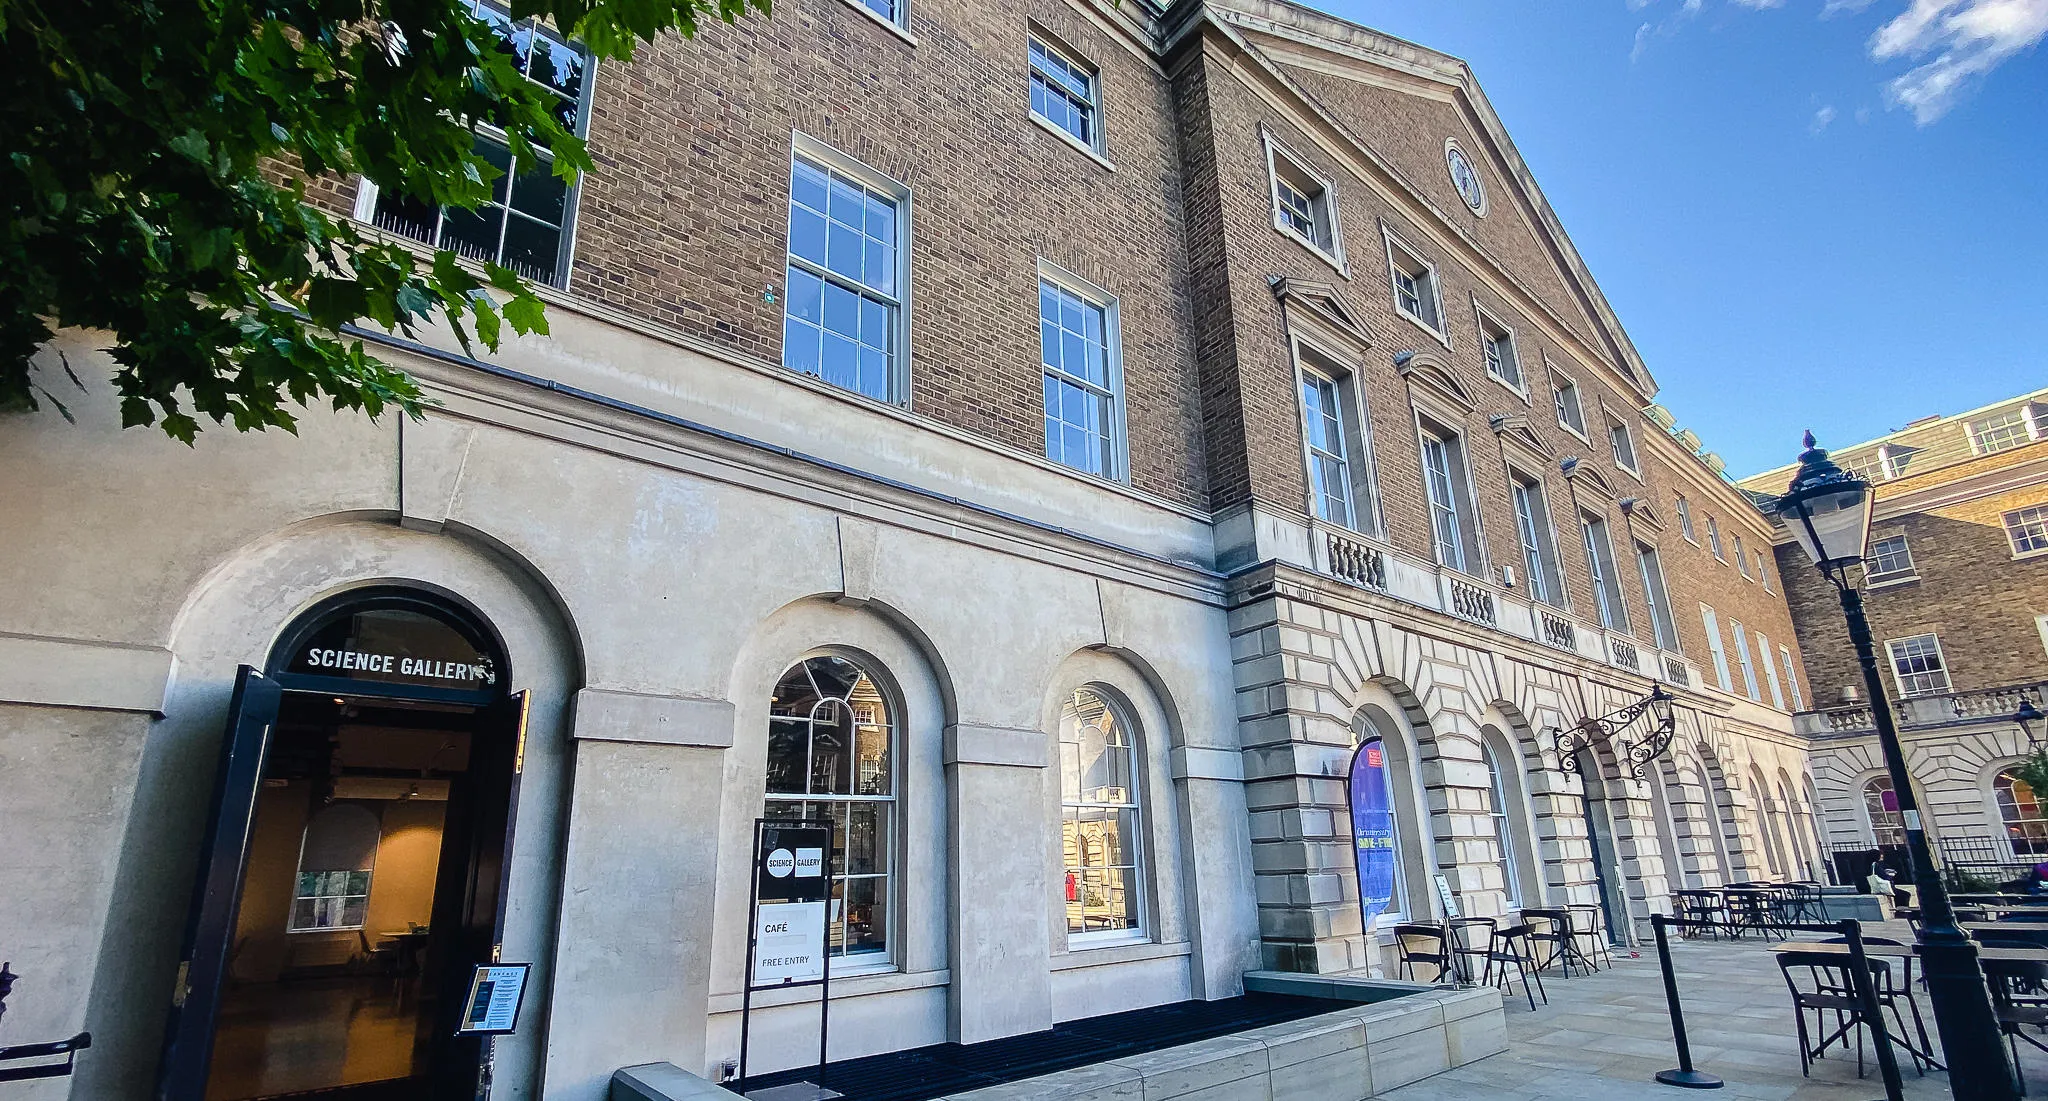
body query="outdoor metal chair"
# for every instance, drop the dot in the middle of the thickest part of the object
(1589, 933)
(1472, 945)
(1550, 941)
(1700, 912)
(1808, 902)
(1828, 988)
(1749, 910)
(1425, 945)
(1889, 994)
(1514, 949)
(2019, 996)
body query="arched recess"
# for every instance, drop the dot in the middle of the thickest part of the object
(1510, 749)
(234, 617)
(1763, 807)
(914, 683)
(1667, 804)
(1791, 806)
(1151, 720)
(1726, 833)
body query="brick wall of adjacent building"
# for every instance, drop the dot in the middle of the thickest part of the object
(1264, 378)
(1971, 592)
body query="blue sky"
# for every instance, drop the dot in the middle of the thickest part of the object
(1808, 213)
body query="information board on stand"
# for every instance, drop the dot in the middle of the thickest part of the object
(788, 939)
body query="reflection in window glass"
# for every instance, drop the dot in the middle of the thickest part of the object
(2026, 820)
(1099, 835)
(1080, 385)
(335, 861)
(521, 226)
(1062, 93)
(1502, 832)
(840, 322)
(831, 735)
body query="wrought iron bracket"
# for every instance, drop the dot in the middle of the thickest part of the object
(1635, 753)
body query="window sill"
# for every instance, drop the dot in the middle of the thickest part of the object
(1581, 435)
(1107, 953)
(1518, 391)
(1079, 146)
(891, 27)
(1628, 470)
(1440, 336)
(2024, 555)
(1891, 581)
(1334, 259)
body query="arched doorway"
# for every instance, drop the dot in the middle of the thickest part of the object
(352, 874)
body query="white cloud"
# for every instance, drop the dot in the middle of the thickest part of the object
(1960, 40)
(1821, 118)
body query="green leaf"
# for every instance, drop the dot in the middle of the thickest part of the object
(526, 314)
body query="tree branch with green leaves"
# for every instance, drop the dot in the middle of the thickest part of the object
(154, 185)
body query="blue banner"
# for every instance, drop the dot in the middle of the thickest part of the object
(1372, 828)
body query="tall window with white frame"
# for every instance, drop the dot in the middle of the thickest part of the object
(1763, 650)
(1503, 832)
(831, 755)
(1415, 286)
(1714, 539)
(1497, 345)
(1100, 836)
(1564, 393)
(1763, 572)
(1083, 380)
(2024, 813)
(1792, 678)
(1600, 564)
(1716, 647)
(2027, 529)
(525, 225)
(1685, 520)
(1304, 205)
(1749, 684)
(843, 318)
(1651, 569)
(1064, 93)
(1329, 464)
(1443, 476)
(1533, 531)
(1336, 445)
(1741, 557)
(1917, 665)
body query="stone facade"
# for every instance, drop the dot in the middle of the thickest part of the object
(1967, 582)
(658, 520)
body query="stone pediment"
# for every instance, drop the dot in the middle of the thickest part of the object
(1643, 512)
(1433, 374)
(1513, 428)
(1325, 304)
(1584, 474)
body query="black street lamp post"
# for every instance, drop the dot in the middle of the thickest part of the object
(1828, 513)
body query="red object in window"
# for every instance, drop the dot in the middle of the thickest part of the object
(1071, 895)
(1375, 756)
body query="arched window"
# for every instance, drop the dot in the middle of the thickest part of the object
(831, 738)
(335, 860)
(1100, 840)
(1766, 821)
(1887, 827)
(1375, 830)
(2026, 819)
(1503, 828)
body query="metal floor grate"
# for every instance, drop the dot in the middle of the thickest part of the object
(921, 1074)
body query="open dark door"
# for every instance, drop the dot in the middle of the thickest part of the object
(210, 929)
(476, 862)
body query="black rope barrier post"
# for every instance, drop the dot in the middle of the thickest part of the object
(1684, 1076)
(1866, 992)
